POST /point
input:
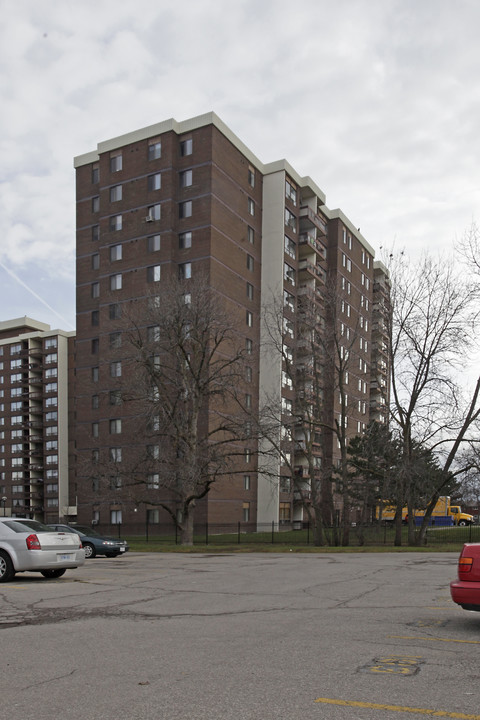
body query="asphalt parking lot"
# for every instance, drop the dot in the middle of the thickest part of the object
(247, 636)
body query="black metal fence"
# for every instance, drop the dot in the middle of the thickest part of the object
(294, 534)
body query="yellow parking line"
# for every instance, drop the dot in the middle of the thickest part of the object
(398, 708)
(419, 637)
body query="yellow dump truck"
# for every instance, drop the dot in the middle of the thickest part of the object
(443, 514)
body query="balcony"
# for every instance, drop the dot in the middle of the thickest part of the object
(306, 213)
(307, 243)
(305, 266)
(35, 410)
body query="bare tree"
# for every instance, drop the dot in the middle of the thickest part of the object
(316, 365)
(184, 385)
(431, 338)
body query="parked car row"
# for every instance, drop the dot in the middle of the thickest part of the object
(31, 546)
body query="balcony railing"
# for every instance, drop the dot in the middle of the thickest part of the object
(306, 213)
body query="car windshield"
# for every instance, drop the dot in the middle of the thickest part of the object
(21, 526)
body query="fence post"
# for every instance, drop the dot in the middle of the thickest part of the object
(206, 533)
(273, 530)
(146, 527)
(308, 532)
(238, 532)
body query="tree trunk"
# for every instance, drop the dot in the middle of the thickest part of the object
(186, 532)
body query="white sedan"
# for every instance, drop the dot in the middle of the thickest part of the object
(30, 545)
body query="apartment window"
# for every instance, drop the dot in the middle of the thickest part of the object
(95, 232)
(284, 512)
(95, 204)
(247, 455)
(286, 380)
(115, 223)
(154, 212)
(287, 353)
(290, 220)
(115, 397)
(115, 339)
(249, 318)
(116, 163)
(248, 346)
(250, 262)
(286, 406)
(116, 454)
(153, 243)
(116, 281)
(16, 392)
(94, 374)
(154, 182)
(153, 273)
(290, 192)
(115, 369)
(153, 481)
(249, 291)
(153, 517)
(95, 345)
(248, 374)
(186, 178)
(185, 271)
(251, 176)
(95, 174)
(51, 387)
(289, 273)
(95, 261)
(246, 512)
(15, 349)
(251, 206)
(115, 193)
(288, 300)
(51, 445)
(185, 240)
(115, 253)
(115, 427)
(114, 311)
(95, 290)
(14, 364)
(51, 402)
(115, 517)
(185, 209)
(290, 247)
(251, 235)
(288, 327)
(186, 147)
(246, 482)
(154, 150)
(153, 333)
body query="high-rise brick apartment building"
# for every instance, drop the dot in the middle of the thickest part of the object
(190, 197)
(35, 370)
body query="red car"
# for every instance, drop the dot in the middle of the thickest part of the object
(466, 590)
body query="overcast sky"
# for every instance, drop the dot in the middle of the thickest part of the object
(377, 100)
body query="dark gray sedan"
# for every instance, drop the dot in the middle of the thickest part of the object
(94, 543)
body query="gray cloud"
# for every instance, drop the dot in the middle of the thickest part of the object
(376, 100)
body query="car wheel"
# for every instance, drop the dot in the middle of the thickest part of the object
(90, 551)
(6, 567)
(462, 522)
(53, 573)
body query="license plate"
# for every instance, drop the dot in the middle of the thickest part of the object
(61, 558)
(122, 549)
